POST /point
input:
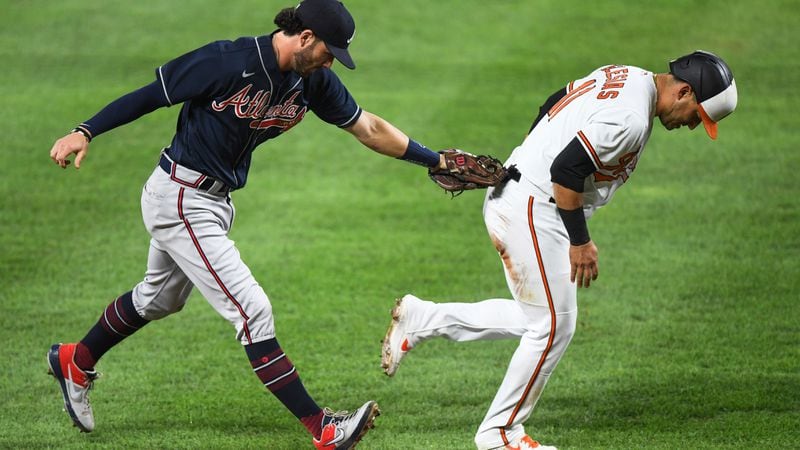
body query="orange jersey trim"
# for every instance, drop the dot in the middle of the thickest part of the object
(588, 145)
(626, 161)
(571, 95)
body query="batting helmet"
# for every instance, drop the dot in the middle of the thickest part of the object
(713, 85)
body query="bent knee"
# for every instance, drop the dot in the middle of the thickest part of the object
(156, 311)
(260, 323)
(559, 327)
(153, 303)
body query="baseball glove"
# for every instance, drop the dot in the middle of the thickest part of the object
(466, 171)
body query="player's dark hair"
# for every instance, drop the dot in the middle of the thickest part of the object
(288, 22)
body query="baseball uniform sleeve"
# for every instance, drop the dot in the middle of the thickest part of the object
(571, 167)
(330, 100)
(126, 109)
(613, 141)
(195, 74)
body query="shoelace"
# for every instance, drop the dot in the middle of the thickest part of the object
(336, 416)
(91, 375)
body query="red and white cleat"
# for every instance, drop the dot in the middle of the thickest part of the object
(342, 430)
(75, 384)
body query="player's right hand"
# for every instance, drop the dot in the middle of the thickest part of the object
(583, 259)
(72, 143)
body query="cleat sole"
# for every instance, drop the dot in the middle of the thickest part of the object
(386, 354)
(368, 425)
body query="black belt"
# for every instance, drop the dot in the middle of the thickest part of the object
(514, 174)
(207, 184)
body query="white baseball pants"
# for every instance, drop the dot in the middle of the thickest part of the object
(189, 247)
(534, 247)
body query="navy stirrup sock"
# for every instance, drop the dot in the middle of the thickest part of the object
(279, 375)
(119, 320)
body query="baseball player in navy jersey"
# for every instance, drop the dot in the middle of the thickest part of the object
(583, 146)
(235, 95)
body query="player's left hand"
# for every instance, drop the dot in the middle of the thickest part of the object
(72, 143)
(583, 259)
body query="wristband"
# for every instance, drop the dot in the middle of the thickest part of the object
(84, 132)
(575, 223)
(419, 154)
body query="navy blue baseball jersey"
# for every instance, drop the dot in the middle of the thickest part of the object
(234, 98)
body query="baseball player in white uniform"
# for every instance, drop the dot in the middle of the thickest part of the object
(582, 147)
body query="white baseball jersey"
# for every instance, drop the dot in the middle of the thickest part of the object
(611, 113)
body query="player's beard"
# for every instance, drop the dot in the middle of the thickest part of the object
(304, 61)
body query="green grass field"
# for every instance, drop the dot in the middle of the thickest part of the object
(689, 339)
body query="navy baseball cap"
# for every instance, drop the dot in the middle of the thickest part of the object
(713, 85)
(331, 21)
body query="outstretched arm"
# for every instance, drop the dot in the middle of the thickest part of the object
(119, 112)
(384, 138)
